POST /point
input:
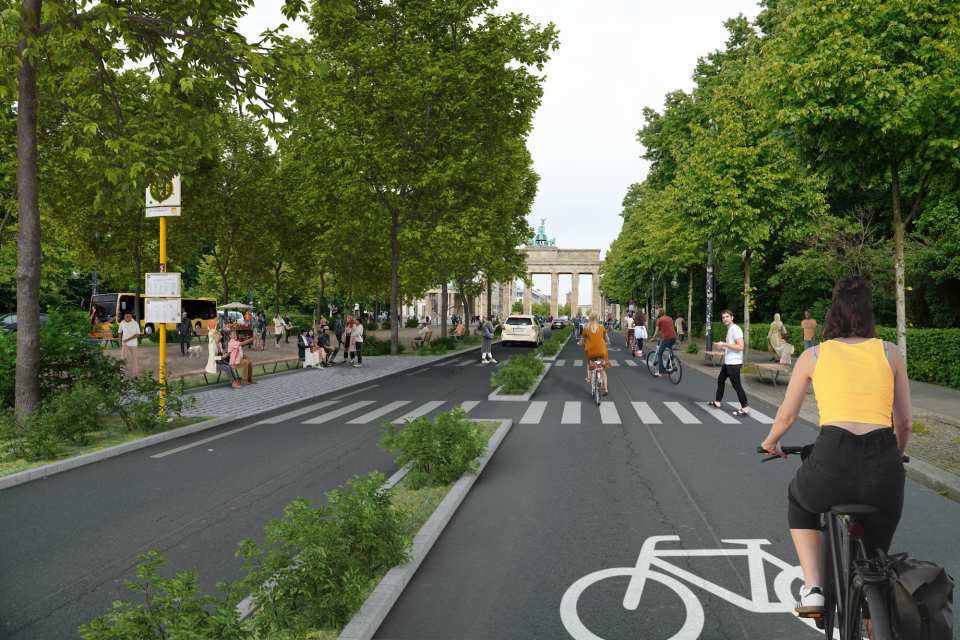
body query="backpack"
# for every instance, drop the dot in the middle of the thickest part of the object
(921, 598)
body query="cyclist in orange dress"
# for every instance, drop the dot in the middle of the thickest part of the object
(595, 336)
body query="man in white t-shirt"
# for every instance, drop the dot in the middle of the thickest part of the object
(732, 361)
(128, 332)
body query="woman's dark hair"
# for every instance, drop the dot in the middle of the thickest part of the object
(851, 312)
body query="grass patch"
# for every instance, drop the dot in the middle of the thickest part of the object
(920, 429)
(114, 434)
(420, 504)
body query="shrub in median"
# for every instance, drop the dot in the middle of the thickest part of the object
(438, 452)
(435, 348)
(472, 341)
(518, 375)
(693, 348)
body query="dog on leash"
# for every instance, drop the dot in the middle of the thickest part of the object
(196, 351)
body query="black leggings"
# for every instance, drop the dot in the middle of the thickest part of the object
(845, 468)
(731, 371)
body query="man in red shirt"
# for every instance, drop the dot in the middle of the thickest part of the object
(664, 324)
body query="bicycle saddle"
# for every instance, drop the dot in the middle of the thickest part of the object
(855, 509)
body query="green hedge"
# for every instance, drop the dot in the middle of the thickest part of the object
(933, 355)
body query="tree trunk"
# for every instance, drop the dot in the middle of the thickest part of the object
(226, 287)
(689, 326)
(323, 287)
(376, 306)
(747, 261)
(136, 280)
(463, 307)
(443, 308)
(276, 290)
(395, 282)
(489, 297)
(27, 392)
(664, 295)
(899, 229)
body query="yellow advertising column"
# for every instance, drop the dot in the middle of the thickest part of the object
(163, 326)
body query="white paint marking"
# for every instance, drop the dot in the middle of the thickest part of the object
(571, 413)
(614, 363)
(416, 413)
(719, 414)
(685, 416)
(578, 363)
(560, 363)
(339, 412)
(646, 414)
(608, 413)
(206, 440)
(756, 415)
(631, 363)
(534, 413)
(469, 404)
(353, 392)
(466, 363)
(382, 411)
(299, 412)
(452, 361)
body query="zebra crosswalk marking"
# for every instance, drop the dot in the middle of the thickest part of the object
(685, 416)
(720, 414)
(578, 363)
(448, 362)
(534, 413)
(465, 363)
(419, 411)
(614, 363)
(382, 411)
(340, 412)
(631, 363)
(571, 413)
(608, 413)
(645, 413)
(298, 412)
(560, 363)
(469, 404)
(756, 415)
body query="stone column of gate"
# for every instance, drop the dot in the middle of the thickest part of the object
(595, 303)
(574, 293)
(527, 298)
(554, 293)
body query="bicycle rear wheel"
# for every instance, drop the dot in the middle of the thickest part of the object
(596, 386)
(676, 369)
(652, 362)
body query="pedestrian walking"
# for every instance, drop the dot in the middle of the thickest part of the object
(347, 334)
(338, 331)
(257, 341)
(732, 362)
(185, 329)
(217, 361)
(639, 332)
(775, 337)
(129, 330)
(238, 357)
(486, 341)
(809, 327)
(287, 326)
(356, 342)
(278, 328)
(681, 327)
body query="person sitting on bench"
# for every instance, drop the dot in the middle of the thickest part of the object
(218, 360)
(417, 342)
(460, 331)
(328, 353)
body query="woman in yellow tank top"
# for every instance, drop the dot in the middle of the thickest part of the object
(859, 383)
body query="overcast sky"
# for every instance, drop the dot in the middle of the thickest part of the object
(615, 58)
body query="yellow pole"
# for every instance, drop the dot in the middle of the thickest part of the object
(163, 325)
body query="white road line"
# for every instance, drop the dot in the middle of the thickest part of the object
(340, 412)
(608, 413)
(443, 364)
(534, 413)
(719, 414)
(685, 416)
(631, 363)
(559, 363)
(466, 362)
(614, 363)
(419, 411)
(646, 414)
(382, 411)
(298, 412)
(571, 413)
(206, 440)
(469, 404)
(756, 415)
(353, 392)
(578, 363)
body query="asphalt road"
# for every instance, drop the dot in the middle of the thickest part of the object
(68, 542)
(559, 502)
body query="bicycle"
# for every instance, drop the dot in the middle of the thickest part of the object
(671, 365)
(852, 581)
(596, 381)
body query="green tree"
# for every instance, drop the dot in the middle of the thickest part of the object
(868, 89)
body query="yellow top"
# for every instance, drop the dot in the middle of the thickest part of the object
(853, 383)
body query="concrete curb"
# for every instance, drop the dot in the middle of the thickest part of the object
(96, 456)
(921, 472)
(374, 611)
(525, 397)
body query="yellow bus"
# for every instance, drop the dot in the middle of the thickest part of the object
(111, 307)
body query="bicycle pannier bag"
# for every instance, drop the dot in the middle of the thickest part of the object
(921, 595)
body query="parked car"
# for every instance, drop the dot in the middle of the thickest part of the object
(560, 322)
(519, 328)
(9, 322)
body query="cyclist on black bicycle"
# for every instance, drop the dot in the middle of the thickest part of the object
(576, 326)
(595, 335)
(858, 381)
(664, 324)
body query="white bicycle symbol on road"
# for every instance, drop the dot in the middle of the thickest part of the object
(650, 557)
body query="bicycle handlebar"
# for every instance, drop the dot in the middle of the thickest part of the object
(795, 451)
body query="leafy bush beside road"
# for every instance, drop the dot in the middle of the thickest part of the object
(518, 375)
(412, 323)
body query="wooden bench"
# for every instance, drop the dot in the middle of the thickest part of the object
(203, 372)
(416, 343)
(712, 356)
(202, 332)
(106, 337)
(772, 368)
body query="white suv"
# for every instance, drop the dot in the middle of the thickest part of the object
(522, 329)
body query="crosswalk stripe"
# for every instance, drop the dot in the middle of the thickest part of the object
(685, 416)
(419, 411)
(469, 404)
(382, 411)
(298, 412)
(756, 415)
(614, 363)
(534, 413)
(719, 414)
(340, 412)
(448, 362)
(571, 413)
(465, 363)
(560, 363)
(608, 413)
(631, 363)
(578, 363)
(645, 413)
